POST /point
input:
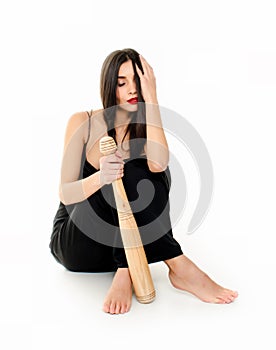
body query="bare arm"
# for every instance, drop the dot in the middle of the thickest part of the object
(72, 190)
(156, 147)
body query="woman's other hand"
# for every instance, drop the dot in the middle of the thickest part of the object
(148, 82)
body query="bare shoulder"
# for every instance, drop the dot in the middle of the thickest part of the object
(78, 122)
(76, 126)
(80, 118)
(77, 119)
(97, 112)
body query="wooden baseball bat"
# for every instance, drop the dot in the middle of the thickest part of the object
(133, 246)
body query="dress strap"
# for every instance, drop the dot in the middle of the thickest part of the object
(89, 124)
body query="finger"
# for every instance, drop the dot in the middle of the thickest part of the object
(118, 154)
(146, 71)
(112, 177)
(139, 72)
(113, 158)
(145, 64)
(119, 162)
(115, 166)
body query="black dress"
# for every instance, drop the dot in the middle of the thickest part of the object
(86, 235)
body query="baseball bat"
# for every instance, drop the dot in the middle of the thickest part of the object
(133, 246)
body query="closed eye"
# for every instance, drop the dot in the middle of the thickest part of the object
(122, 84)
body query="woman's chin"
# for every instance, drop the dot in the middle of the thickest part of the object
(129, 107)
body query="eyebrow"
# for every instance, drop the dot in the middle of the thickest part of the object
(122, 77)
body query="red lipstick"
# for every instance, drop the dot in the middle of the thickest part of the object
(133, 100)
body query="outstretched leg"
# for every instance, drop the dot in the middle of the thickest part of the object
(185, 275)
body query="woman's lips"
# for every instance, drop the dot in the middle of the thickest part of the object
(133, 100)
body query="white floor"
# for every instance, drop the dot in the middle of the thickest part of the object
(58, 309)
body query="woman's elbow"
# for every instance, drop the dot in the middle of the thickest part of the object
(61, 195)
(157, 168)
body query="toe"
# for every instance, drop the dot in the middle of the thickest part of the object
(112, 308)
(231, 293)
(220, 300)
(106, 307)
(125, 308)
(227, 296)
(118, 308)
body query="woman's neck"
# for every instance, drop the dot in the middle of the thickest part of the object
(122, 118)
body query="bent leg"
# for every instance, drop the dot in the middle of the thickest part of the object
(82, 254)
(75, 250)
(148, 195)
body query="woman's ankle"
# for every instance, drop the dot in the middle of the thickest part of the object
(173, 263)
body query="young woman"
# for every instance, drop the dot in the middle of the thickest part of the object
(85, 230)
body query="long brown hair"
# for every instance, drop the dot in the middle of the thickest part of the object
(108, 86)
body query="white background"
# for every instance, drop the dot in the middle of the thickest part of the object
(215, 63)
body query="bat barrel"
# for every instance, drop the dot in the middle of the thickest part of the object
(140, 274)
(146, 299)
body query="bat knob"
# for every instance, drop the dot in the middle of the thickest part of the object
(107, 145)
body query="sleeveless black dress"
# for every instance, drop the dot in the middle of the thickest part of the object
(86, 235)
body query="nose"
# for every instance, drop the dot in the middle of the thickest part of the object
(132, 88)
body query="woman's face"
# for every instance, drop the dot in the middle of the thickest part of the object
(126, 92)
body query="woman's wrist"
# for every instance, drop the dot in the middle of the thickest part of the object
(92, 184)
(151, 100)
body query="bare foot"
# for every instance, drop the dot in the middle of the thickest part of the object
(185, 275)
(119, 296)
